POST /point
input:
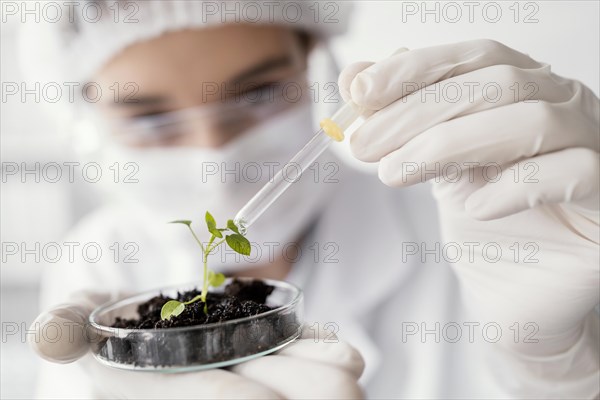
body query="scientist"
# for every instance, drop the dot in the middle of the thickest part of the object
(501, 304)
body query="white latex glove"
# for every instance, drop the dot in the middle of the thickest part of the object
(550, 209)
(311, 367)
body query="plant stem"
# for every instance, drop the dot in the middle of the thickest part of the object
(205, 280)
(216, 245)
(197, 240)
(195, 299)
(206, 252)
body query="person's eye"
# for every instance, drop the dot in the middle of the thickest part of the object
(264, 93)
(146, 114)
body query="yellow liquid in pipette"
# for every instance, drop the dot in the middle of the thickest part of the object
(332, 130)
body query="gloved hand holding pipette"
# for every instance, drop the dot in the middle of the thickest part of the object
(550, 219)
(402, 130)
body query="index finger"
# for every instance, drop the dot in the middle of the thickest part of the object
(404, 73)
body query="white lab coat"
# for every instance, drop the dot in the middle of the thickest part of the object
(359, 282)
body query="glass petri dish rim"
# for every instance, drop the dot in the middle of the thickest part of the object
(119, 332)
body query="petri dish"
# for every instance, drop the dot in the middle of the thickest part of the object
(198, 347)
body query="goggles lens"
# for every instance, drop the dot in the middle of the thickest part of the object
(229, 116)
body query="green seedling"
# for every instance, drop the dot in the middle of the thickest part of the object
(235, 240)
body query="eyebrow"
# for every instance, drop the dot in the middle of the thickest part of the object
(262, 68)
(247, 75)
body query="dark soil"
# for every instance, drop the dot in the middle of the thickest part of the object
(240, 299)
(196, 347)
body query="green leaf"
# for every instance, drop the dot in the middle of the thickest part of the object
(171, 308)
(239, 244)
(210, 221)
(182, 221)
(211, 224)
(232, 226)
(215, 279)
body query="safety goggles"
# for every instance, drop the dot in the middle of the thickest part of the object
(228, 116)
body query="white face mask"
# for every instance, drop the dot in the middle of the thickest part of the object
(184, 183)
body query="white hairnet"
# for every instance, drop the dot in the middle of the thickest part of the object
(89, 33)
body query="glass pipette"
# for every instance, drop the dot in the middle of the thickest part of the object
(332, 129)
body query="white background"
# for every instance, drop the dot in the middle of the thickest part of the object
(566, 35)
